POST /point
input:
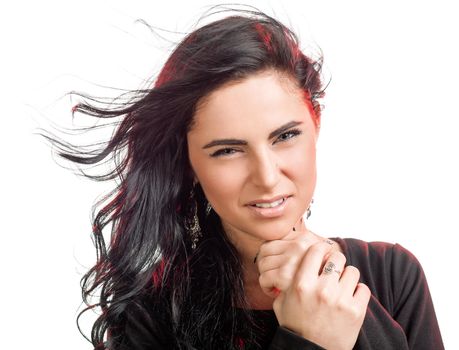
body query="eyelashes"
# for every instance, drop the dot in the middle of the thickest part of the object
(223, 152)
(288, 135)
(284, 137)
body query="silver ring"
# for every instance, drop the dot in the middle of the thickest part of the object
(329, 268)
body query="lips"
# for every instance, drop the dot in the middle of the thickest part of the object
(266, 202)
(271, 208)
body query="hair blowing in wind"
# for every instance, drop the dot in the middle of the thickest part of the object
(146, 262)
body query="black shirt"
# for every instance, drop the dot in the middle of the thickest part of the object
(400, 314)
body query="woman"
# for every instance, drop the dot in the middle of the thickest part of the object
(208, 246)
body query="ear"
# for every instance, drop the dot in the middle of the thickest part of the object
(192, 175)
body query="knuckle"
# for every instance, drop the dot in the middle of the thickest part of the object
(289, 259)
(342, 256)
(365, 289)
(262, 250)
(352, 311)
(324, 295)
(261, 264)
(342, 305)
(353, 270)
(337, 257)
(304, 245)
(318, 249)
(355, 312)
(261, 279)
(264, 280)
(299, 246)
(301, 288)
(285, 273)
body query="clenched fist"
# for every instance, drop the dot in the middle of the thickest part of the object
(317, 296)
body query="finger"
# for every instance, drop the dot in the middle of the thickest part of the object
(311, 264)
(270, 283)
(271, 262)
(329, 241)
(272, 293)
(290, 248)
(275, 292)
(362, 295)
(333, 266)
(349, 280)
(280, 278)
(276, 247)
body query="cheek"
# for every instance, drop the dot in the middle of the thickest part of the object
(222, 186)
(300, 166)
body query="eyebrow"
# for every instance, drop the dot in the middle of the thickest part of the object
(237, 142)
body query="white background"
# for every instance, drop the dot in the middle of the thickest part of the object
(388, 150)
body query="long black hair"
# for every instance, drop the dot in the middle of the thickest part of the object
(149, 270)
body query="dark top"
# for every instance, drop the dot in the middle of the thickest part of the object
(400, 313)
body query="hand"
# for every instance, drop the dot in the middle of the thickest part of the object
(278, 260)
(327, 309)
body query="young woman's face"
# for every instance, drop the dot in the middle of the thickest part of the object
(254, 142)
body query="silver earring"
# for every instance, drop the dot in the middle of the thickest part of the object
(208, 209)
(192, 222)
(308, 213)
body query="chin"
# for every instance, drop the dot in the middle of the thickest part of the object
(264, 229)
(269, 231)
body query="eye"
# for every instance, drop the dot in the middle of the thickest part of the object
(285, 136)
(224, 152)
(288, 135)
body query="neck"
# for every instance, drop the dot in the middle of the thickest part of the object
(256, 299)
(248, 249)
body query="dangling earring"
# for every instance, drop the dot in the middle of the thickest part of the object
(192, 221)
(208, 209)
(308, 213)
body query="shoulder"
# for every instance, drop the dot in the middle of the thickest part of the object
(388, 269)
(375, 253)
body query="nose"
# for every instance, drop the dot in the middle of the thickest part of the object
(265, 170)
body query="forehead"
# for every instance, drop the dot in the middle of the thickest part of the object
(264, 100)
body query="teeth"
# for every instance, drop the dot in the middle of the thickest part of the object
(269, 205)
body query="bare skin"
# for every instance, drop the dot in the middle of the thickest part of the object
(262, 298)
(252, 149)
(296, 243)
(292, 280)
